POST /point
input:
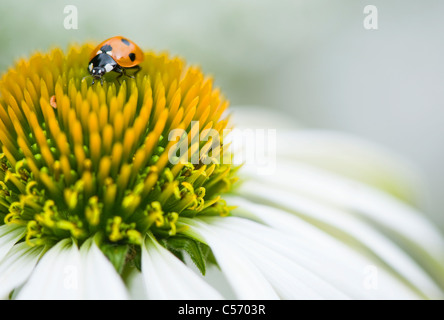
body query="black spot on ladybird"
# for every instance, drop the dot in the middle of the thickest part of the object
(132, 56)
(126, 42)
(106, 48)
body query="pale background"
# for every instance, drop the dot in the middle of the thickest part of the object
(312, 59)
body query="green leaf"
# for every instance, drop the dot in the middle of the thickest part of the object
(208, 254)
(190, 246)
(116, 254)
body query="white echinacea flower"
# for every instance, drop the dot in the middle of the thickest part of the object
(91, 206)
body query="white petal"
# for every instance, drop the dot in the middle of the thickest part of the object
(166, 277)
(246, 279)
(359, 199)
(348, 227)
(264, 118)
(216, 278)
(100, 279)
(17, 265)
(338, 152)
(342, 266)
(290, 279)
(136, 285)
(405, 225)
(9, 235)
(57, 275)
(354, 158)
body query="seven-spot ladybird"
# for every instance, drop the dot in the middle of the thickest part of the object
(116, 54)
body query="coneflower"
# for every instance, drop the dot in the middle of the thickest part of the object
(84, 161)
(96, 194)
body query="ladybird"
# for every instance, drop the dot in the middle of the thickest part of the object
(117, 54)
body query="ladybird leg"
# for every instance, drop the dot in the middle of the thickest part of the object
(126, 74)
(121, 73)
(138, 69)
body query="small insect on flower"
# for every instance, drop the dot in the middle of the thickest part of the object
(116, 54)
(53, 102)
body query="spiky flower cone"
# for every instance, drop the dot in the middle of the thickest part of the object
(81, 160)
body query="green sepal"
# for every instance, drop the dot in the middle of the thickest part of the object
(117, 254)
(208, 254)
(192, 247)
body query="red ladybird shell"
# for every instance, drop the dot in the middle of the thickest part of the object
(126, 53)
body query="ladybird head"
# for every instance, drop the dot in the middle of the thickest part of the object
(97, 72)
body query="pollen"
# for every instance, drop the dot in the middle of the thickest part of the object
(79, 160)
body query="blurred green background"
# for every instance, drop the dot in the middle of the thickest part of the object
(311, 59)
